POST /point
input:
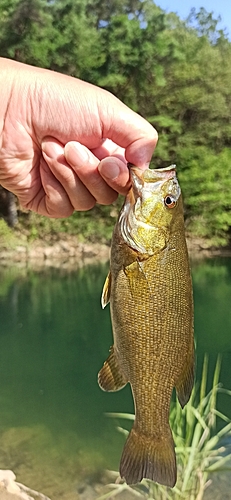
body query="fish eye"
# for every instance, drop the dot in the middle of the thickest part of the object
(169, 201)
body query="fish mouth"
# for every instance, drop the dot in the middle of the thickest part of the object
(157, 171)
(139, 176)
(155, 176)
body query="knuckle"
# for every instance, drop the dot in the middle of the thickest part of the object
(84, 205)
(59, 213)
(110, 198)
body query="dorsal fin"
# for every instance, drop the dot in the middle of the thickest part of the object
(186, 380)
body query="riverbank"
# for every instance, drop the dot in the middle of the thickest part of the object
(68, 251)
(10, 489)
(64, 251)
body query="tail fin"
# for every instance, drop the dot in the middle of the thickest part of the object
(149, 457)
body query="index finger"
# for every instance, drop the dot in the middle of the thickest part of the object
(130, 131)
(109, 148)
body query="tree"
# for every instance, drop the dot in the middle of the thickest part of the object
(77, 49)
(26, 31)
(176, 74)
(206, 182)
(206, 25)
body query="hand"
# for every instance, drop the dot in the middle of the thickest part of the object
(66, 143)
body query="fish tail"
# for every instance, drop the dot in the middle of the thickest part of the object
(149, 457)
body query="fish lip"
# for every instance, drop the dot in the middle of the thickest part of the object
(165, 169)
(157, 171)
(164, 174)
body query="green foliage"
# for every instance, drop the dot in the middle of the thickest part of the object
(176, 74)
(206, 25)
(7, 237)
(26, 31)
(199, 450)
(77, 49)
(206, 181)
(95, 225)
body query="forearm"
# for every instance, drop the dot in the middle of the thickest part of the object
(7, 76)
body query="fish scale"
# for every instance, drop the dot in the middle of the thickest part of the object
(150, 292)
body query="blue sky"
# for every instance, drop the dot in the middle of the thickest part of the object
(183, 7)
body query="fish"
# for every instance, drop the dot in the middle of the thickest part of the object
(149, 288)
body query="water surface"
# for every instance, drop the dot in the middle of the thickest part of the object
(54, 338)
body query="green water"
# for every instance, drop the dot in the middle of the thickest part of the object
(54, 338)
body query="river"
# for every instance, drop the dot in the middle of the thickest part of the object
(54, 337)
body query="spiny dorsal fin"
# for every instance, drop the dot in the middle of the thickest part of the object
(186, 380)
(110, 377)
(106, 291)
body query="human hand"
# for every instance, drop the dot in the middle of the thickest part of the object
(65, 143)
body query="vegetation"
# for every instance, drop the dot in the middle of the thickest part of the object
(7, 237)
(93, 226)
(199, 449)
(176, 74)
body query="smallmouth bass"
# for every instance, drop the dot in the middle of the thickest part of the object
(150, 293)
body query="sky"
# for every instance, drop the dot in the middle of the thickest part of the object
(183, 7)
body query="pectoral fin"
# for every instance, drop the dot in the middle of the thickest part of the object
(106, 293)
(135, 274)
(110, 377)
(186, 381)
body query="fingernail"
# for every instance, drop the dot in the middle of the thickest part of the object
(75, 152)
(110, 170)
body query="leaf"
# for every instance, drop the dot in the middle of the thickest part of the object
(219, 464)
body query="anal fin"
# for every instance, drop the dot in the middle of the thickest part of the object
(110, 377)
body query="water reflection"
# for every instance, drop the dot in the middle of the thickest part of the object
(212, 296)
(54, 338)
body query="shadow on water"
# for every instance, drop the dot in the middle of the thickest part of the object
(54, 338)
